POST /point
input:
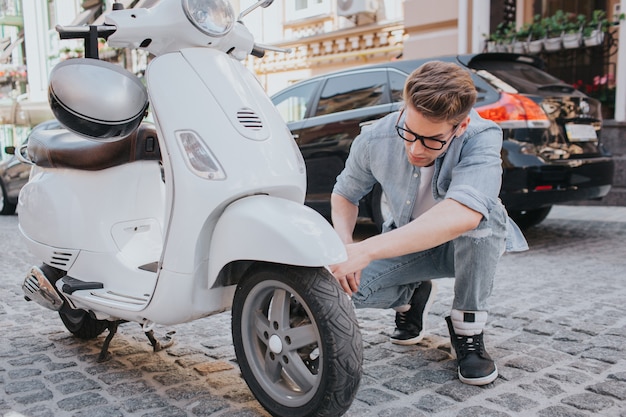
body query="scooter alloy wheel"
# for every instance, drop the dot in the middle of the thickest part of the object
(297, 341)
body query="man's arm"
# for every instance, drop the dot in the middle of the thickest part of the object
(344, 215)
(444, 222)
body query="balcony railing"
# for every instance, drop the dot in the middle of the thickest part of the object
(11, 13)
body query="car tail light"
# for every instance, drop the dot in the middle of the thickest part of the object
(515, 111)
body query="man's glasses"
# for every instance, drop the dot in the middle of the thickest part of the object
(427, 141)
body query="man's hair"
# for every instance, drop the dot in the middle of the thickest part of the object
(441, 91)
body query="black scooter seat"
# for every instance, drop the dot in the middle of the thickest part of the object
(64, 149)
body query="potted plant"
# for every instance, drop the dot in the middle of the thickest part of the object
(572, 31)
(500, 40)
(555, 25)
(520, 39)
(593, 32)
(536, 35)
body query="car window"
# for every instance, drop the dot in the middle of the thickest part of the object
(484, 93)
(396, 85)
(525, 78)
(293, 103)
(352, 91)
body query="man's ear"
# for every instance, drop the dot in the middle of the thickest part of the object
(463, 126)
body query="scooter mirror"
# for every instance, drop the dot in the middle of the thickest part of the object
(260, 3)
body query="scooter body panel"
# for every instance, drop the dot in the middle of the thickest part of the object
(266, 161)
(275, 230)
(75, 209)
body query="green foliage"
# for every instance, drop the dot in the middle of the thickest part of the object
(560, 22)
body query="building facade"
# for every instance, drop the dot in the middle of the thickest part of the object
(323, 35)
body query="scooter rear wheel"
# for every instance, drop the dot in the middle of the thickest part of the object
(81, 325)
(297, 341)
(78, 322)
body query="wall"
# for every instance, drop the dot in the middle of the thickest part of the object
(614, 138)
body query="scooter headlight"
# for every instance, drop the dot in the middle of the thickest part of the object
(213, 17)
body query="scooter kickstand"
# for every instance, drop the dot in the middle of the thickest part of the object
(104, 353)
(166, 342)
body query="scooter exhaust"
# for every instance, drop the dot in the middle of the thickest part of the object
(38, 288)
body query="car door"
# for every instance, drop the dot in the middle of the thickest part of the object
(345, 102)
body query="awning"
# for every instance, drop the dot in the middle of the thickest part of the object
(86, 16)
(24, 112)
(7, 51)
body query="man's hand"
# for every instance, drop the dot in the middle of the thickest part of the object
(348, 273)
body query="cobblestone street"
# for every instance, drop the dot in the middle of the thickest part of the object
(557, 331)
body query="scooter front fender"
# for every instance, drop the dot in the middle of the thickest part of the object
(273, 229)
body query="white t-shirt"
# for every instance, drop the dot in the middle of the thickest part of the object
(425, 198)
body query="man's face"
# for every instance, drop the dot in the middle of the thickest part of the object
(425, 140)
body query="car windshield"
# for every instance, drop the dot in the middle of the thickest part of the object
(525, 78)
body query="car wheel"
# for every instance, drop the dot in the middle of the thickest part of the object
(379, 207)
(6, 207)
(530, 218)
(297, 341)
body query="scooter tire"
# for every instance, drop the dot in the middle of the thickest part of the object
(81, 325)
(297, 341)
(78, 322)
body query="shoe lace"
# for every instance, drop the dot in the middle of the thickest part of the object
(469, 344)
(401, 319)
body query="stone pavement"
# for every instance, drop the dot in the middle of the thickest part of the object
(557, 330)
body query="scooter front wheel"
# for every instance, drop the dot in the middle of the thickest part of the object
(297, 341)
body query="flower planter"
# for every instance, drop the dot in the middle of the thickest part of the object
(595, 39)
(503, 47)
(552, 44)
(534, 47)
(519, 47)
(571, 40)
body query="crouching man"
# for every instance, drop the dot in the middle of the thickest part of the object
(438, 163)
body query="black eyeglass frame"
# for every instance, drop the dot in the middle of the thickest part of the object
(400, 130)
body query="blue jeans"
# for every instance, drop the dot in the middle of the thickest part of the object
(471, 259)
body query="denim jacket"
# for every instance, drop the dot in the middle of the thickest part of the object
(469, 171)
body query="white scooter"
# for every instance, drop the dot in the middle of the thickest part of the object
(200, 212)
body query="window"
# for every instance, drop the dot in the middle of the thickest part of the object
(353, 91)
(396, 85)
(303, 9)
(293, 104)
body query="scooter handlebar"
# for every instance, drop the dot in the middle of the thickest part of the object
(84, 32)
(257, 51)
(90, 35)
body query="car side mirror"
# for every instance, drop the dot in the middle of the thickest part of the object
(9, 150)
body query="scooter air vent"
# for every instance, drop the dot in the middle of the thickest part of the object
(249, 119)
(61, 259)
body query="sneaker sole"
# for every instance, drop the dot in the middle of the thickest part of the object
(418, 338)
(479, 381)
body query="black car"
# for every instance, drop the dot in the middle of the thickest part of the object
(14, 173)
(551, 153)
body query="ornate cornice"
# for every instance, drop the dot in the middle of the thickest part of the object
(360, 44)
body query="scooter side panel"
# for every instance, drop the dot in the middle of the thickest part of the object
(74, 209)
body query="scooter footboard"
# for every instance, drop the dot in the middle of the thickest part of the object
(272, 229)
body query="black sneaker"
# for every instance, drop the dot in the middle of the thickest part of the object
(410, 324)
(475, 366)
